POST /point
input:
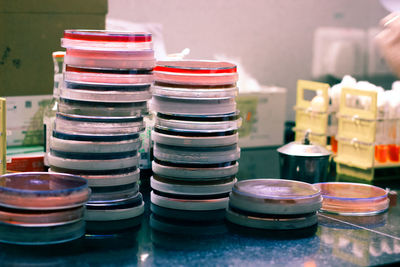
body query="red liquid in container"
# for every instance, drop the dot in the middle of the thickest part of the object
(394, 151)
(334, 144)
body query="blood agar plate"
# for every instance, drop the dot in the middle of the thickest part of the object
(106, 40)
(172, 202)
(143, 59)
(42, 191)
(174, 138)
(197, 155)
(171, 105)
(196, 72)
(191, 188)
(193, 173)
(353, 199)
(91, 75)
(275, 196)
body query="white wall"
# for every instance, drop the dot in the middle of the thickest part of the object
(273, 38)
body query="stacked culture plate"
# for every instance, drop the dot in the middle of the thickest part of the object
(107, 83)
(195, 143)
(39, 208)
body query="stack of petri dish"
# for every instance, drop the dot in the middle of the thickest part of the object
(39, 208)
(274, 204)
(195, 140)
(107, 83)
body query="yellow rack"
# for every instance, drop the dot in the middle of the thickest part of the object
(356, 137)
(308, 120)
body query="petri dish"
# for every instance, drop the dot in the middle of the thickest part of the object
(185, 202)
(40, 218)
(71, 123)
(206, 124)
(195, 173)
(105, 40)
(94, 147)
(196, 72)
(170, 137)
(170, 105)
(353, 199)
(190, 93)
(181, 187)
(196, 155)
(22, 235)
(105, 109)
(275, 196)
(272, 223)
(142, 59)
(91, 162)
(114, 210)
(42, 191)
(106, 193)
(105, 96)
(106, 75)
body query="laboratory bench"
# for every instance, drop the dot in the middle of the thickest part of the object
(335, 241)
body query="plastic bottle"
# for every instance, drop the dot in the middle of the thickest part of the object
(49, 114)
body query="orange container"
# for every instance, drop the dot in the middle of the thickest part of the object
(381, 153)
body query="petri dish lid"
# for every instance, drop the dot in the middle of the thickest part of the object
(275, 196)
(106, 40)
(303, 150)
(196, 72)
(353, 199)
(275, 189)
(43, 191)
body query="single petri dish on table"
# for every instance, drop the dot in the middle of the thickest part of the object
(353, 199)
(196, 72)
(275, 196)
(42, 191)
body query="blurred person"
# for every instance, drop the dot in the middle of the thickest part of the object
(389, 41)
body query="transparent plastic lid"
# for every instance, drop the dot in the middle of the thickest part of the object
(275, 189)
(353, 198)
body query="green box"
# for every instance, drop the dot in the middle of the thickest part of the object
(30, 30)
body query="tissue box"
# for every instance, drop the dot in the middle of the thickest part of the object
(25, 119)
(263, 117)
